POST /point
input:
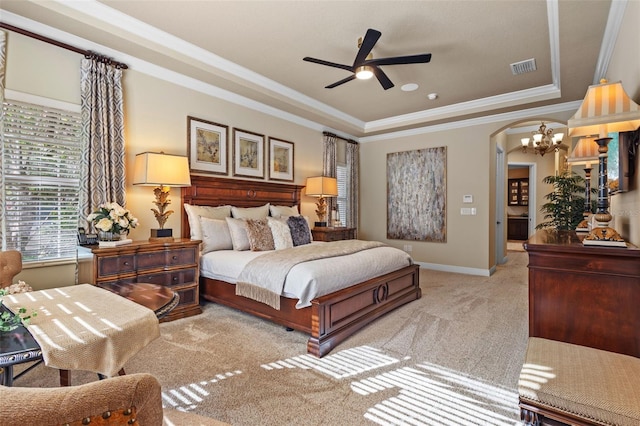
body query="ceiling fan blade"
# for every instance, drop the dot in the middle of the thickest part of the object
(382, 78)
(370, 39)
(327, 63)
(338, 83)
(401, 60)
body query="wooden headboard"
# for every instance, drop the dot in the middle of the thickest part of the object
(215, 191)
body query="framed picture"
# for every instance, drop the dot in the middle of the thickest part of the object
(207, 146)
(248, 154)
(280, 160)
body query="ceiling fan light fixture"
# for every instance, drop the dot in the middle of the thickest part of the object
(364, 72)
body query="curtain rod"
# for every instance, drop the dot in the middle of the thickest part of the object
(336, 136)
(86, 53)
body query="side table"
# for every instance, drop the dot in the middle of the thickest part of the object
(16, 346)
(321, 233)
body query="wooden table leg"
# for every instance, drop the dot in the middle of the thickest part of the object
(65, 378)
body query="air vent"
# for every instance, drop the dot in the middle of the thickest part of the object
(523, 66)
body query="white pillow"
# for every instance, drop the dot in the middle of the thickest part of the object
(286, 211)
(238, 231)
(195, 212)
(215, 235)
(281, 233)
(250, 212)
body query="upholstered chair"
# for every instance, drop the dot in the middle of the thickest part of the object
(10, 266)
(133, 399)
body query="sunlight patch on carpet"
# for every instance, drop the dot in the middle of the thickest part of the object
(433, 395)
(186, 398)
(346, 363)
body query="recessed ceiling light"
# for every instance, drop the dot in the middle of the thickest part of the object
(432, 96)
(409, 87)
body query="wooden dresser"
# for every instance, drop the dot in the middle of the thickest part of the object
(588, 296)
(333, 234)
(173, 264)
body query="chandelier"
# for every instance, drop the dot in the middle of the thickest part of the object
(543, 141)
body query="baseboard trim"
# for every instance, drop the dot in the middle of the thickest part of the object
(457, 269)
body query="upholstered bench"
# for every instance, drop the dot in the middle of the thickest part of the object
(578, 385)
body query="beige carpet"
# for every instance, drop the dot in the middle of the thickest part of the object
(452, 357)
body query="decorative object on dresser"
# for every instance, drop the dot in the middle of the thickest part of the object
(113, 223)
(207, 146)
(162, 171)
(606, 108)
(321, 187)
(168, 263)
(584, 153)
(333, 234)
(248, 154)
(281, 160)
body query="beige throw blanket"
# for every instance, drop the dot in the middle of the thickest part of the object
(262, 279)
(84, 327)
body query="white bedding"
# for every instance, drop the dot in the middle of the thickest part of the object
(309, 280)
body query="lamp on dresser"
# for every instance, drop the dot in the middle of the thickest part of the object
(321, 187)
(606, 108)
(161, 171)
(584, 153)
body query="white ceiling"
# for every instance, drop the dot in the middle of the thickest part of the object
(253, 51)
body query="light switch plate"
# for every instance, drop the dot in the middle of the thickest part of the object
(467, 198)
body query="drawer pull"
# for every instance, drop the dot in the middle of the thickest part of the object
(126, 263)
(175, 257)
(175, 278)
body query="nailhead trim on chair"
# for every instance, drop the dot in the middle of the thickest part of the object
(119, 417)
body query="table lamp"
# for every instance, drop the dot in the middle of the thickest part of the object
(162, 171)
(606, 108)
(584, 153)
(321, 187)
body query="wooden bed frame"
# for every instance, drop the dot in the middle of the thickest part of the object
(331, 318)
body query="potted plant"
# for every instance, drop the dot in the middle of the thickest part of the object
(9, 321)
(112, 221)
(565, 206)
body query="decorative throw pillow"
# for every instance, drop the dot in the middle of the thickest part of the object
(279, 211)
(250, 212)
(195, 212)
(281, 233)
(238, 231)
(300, 232)
(215, 235)
(259, 235)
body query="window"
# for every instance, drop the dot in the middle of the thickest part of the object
(341, 176)
(40, 165)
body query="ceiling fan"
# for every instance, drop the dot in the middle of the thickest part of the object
(365, 66)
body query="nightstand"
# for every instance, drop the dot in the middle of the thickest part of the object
(333, 234)
(173, 264)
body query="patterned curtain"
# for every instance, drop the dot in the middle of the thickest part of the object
(3, 57)
(353, 183)
(329, 166)
(103, 177)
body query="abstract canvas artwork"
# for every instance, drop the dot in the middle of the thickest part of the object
(416, 195)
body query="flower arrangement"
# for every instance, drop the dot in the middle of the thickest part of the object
(113, 218)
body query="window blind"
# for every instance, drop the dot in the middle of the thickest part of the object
(40, 164)
(341, 176)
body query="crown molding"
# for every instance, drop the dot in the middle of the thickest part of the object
(487, 119)
(614, 21)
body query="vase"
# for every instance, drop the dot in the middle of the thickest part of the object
(110, 236)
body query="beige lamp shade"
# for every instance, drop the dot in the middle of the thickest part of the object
(585, 152)
(160, 169)
(322, 186)
(606, 108)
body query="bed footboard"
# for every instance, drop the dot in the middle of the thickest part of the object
(338, 315)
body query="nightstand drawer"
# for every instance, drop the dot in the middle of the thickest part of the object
(116, 265)
(179, 277)
(165, 258)
(333, 234)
